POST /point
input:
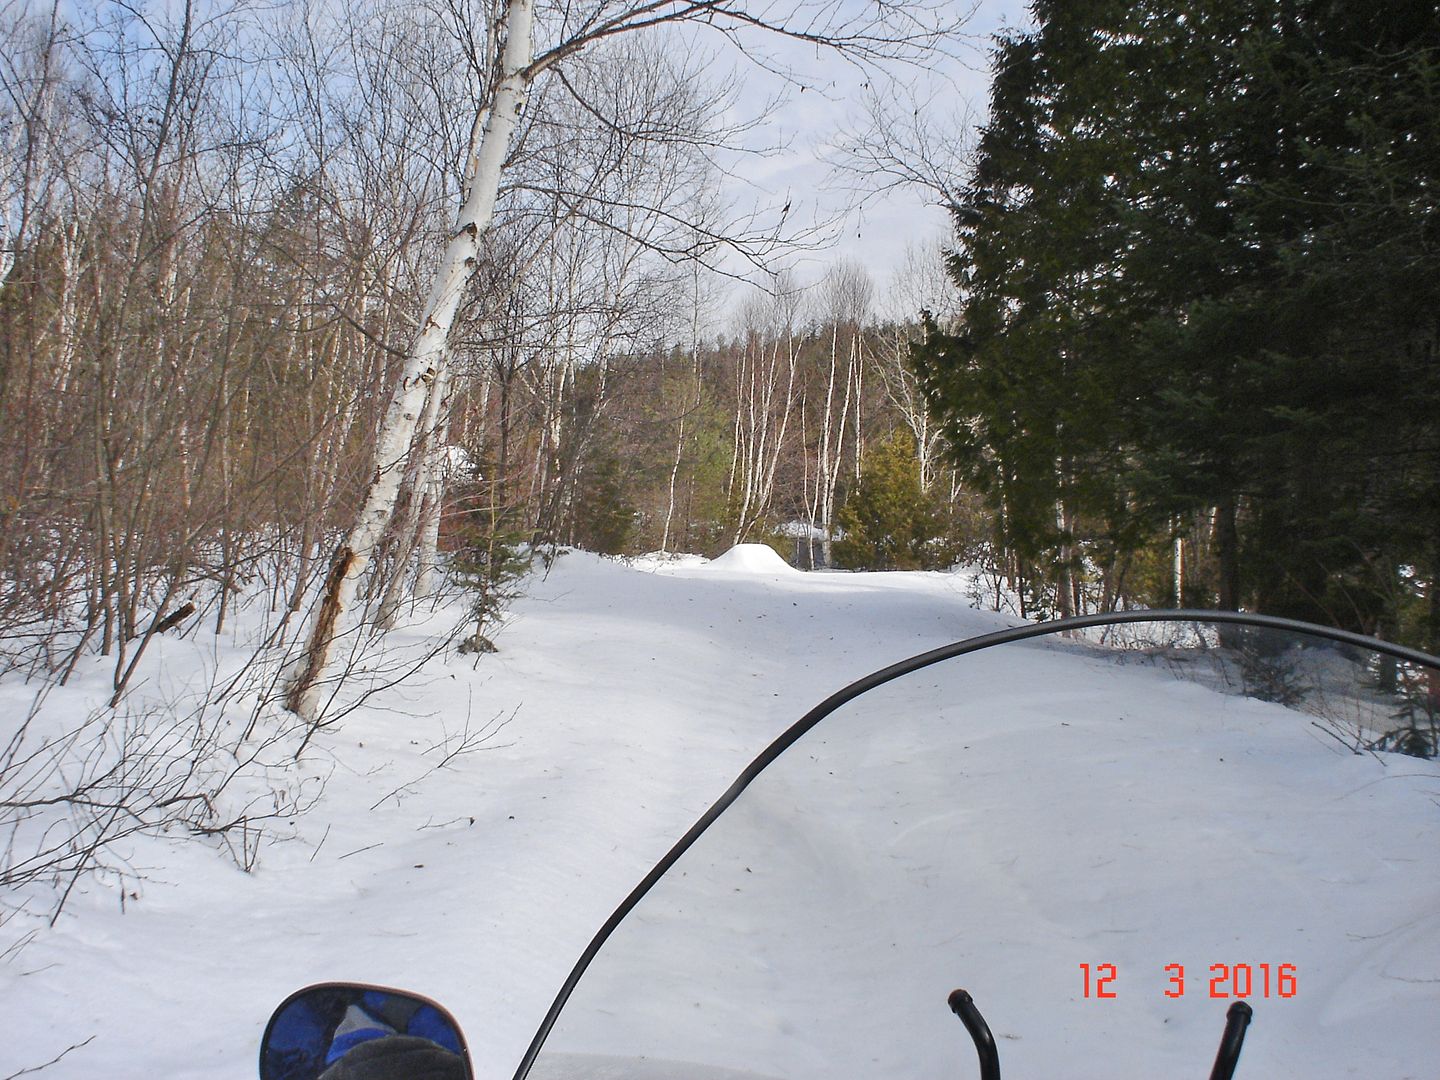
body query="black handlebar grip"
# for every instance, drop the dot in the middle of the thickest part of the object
(1237, 1019)
(963, 1005)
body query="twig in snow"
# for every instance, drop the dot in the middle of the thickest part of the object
(321, 844)
(454, 746)
(52, 1061)
(445, 824)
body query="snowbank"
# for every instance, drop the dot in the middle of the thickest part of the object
(753, 559)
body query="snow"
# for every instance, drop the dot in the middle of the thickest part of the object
(459, 464)
(803, 530)
(1101, 814)
(753, 559)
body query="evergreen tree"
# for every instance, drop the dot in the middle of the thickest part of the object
(1198, 257)
(889, 521)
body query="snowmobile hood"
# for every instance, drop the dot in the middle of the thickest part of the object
(1108, 830)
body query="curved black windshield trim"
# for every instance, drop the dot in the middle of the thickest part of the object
(889, 674)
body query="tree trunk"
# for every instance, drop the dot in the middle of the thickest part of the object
(422, 481)
(434, 496)
(1177, 567)
(1227, 543)
(423, 364)
(1065, 580)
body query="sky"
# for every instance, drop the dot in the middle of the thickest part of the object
(860, 218)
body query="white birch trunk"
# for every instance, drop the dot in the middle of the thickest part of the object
(831, 456)
(903, 392)
(692, 403)
(858, 368)
(758, 447)
(423, 363)
(674, 473)
(773, 464)
(434, 496)
(824, 491)
(1177, 567)
(739, 405)
(422, 482)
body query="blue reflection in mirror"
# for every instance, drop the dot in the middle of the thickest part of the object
(348, 1031)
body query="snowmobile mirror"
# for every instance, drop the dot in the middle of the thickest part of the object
(350, 1031)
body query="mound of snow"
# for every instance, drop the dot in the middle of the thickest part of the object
(753, 559)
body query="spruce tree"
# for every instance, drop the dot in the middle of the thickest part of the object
(889, 522)
(1199, 266)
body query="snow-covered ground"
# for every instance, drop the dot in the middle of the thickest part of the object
(1061, 810)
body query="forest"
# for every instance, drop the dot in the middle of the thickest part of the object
(1198, 259)
(1180, 351)
(220, 234)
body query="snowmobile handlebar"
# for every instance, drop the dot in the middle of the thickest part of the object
(963, 1005)
(1237, 1019)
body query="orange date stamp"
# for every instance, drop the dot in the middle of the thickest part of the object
(1221, 981)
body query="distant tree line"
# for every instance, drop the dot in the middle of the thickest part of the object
(1199, 256)
(761, 434)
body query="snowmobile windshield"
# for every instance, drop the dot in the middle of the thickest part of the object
(1106, 833)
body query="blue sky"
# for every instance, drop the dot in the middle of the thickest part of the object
(951, 92)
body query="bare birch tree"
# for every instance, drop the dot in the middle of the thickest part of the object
(690, 398)
(765, 395)
(885, 33)
(920, 284)
(844, 300)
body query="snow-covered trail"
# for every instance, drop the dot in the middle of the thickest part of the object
(995, 822)
(638, 693)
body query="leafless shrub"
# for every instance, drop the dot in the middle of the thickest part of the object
(73, 794)
(53, 1061)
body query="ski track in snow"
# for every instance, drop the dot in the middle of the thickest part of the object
(640, 690)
